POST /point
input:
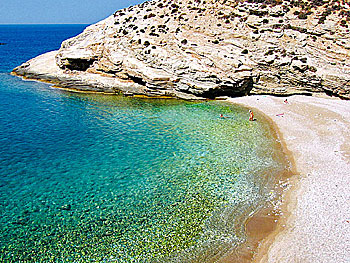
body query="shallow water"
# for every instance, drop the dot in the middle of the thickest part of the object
(109, 178)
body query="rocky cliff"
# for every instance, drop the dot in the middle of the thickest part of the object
(204, 49)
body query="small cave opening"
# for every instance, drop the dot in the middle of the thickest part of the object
(137, 80)
(79, 64)
(230, 90)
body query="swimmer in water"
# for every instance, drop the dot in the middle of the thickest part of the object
(223, 117)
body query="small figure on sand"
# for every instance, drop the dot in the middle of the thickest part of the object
(286, 101)
(251, 115)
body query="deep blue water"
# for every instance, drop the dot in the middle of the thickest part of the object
(24, 42)
(108, 178)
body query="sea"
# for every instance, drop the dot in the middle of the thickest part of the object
(102, 178)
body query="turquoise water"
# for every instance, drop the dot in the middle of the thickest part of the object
(107, 178)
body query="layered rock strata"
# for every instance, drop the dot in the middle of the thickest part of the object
(204, 49)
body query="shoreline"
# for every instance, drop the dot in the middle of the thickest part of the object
(314, 225)
(264, 215)
(281, 242)
(265, 221)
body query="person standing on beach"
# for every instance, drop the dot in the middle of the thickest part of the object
(251, 115)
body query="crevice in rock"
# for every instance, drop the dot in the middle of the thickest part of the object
(231, 90)
(79, 64)
(137, 80)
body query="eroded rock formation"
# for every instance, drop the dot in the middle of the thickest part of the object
(204, 49)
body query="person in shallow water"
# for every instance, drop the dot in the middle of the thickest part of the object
(251, 115)
(223, 117)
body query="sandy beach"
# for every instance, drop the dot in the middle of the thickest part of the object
(315, 225)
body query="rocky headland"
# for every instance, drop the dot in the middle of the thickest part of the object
(195, 49)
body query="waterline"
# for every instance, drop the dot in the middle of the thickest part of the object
(105, 177)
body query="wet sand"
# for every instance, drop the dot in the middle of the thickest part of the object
(315, 223)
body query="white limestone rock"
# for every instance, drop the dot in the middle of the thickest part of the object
(192, 49)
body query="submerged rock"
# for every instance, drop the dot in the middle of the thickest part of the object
(66, 207)
(206, 49)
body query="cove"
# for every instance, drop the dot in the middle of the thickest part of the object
(92, 177)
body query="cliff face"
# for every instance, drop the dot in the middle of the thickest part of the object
(193, 48)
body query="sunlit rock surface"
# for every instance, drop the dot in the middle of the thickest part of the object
(205, 49)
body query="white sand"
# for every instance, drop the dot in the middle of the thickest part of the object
(317, 132)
